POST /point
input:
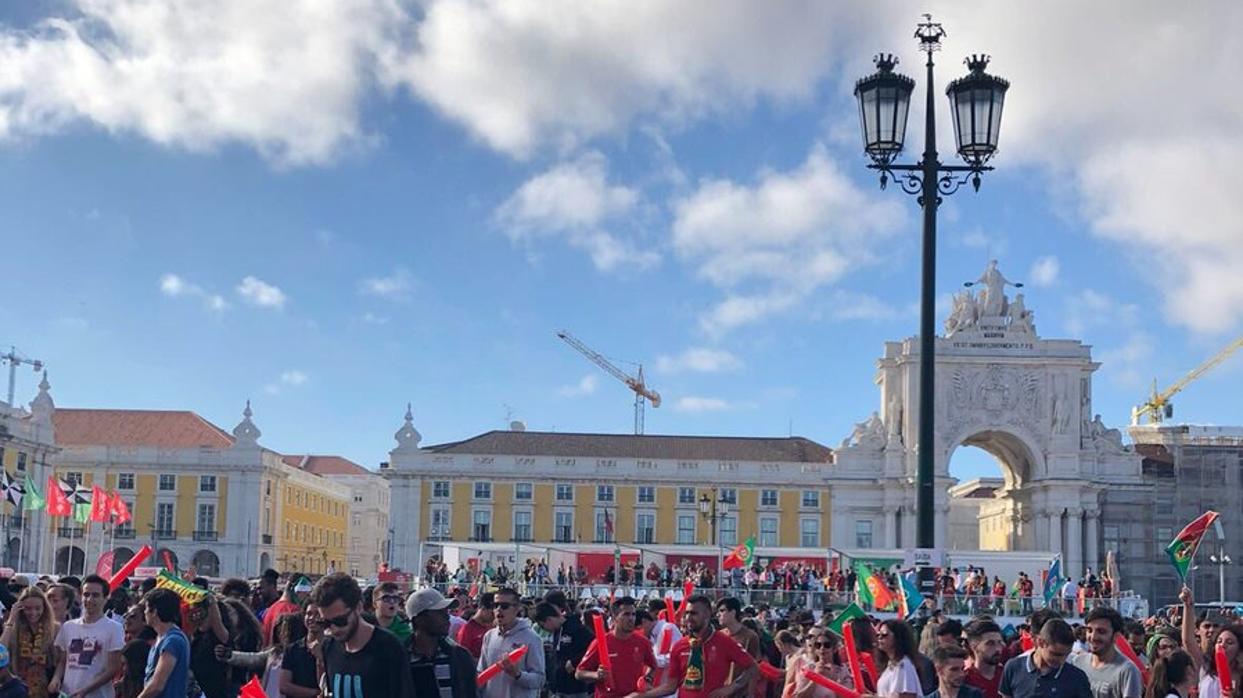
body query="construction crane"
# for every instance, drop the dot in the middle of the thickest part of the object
(1158, 407)
(642, 393)
(15, 359)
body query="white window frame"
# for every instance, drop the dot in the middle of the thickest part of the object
(476, 487)
(601, 490)
(122, 478)
(159, 483)
(694, 529)
(445, 530)
(530, 490)
(865, 527)
(683, 500)
(204, 480)
(198, 517)
(437, 486)
(728, 495)
(530, 533)
(601, 530)
(728, 534)
(776, 532)
(556, 527)
(639, 491)
(802, 536)
(639, 538)
(805, 495)
(474, 515)
(172, 517)
(776, 498)
(562, 488)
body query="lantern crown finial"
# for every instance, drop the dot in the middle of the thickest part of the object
(977, 63)
(929, 34)
(885, 62)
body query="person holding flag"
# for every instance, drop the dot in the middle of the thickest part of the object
(630, 655)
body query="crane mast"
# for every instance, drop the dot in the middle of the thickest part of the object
(642, 394)
(1158, 407)
(15, 358)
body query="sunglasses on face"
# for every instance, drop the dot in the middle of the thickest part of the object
(339, 622)
(391, 598)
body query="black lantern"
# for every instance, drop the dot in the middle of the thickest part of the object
(884, 100)
(975, 103)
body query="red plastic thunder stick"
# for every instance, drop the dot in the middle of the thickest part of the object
(1223, 671)
(124, 573)
(602, 648)
(491, 672)
(671, 614)
(852, 656)
(687, 590)
(1125, 648)
(830, 684)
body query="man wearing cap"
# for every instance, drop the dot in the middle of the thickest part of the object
(439, 667)
(293, 601)
(10, 685)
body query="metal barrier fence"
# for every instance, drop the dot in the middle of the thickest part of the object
(956, 604)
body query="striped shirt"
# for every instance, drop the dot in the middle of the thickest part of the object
(432, 673)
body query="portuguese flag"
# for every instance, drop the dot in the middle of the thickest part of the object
(1184, 545)
(871, 589)
(740, 556)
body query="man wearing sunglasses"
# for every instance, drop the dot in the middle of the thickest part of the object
(388, 600)
(360, 661)
(700, 663)
(525, 678)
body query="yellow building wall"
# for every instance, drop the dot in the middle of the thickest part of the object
(460, 519)
(623, 513)
(542, 518)
(585, 512)
(788, 513)
(185, 519)
(666, 515)
(222, 506)
(748, 521)
(144, 503)
(317, 525)
(502, 511)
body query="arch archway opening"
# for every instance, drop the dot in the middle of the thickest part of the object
(988, 504)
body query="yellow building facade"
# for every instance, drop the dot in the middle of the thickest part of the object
(206, 501)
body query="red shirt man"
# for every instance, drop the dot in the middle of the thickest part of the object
(471, 634)
(630, 654)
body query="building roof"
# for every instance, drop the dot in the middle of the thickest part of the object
(326, 465)
(157, 428)
(794, 449)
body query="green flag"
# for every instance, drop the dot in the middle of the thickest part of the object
(847, 614)
(33, 501)
(871, 589)
(82, 513)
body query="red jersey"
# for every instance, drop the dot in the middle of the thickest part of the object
(273, 614)
(471, 637)
(630, 656)
(720, 654)
(989, 687)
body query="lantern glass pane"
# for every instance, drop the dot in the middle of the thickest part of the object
(999, 98)
(900, 108)
(962, 119)
(886, 98)
(870, 127)
(981, 101)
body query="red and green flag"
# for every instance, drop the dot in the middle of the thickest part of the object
(58, 503)
(1183, 548)
(871, 588)
(741, 556)
(845, 616)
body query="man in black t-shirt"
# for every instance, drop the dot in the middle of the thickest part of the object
(360, 660)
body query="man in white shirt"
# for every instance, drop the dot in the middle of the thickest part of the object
(1070, 595)
(90, 647)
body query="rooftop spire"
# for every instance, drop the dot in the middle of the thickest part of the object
(246, 433)
(407, 436)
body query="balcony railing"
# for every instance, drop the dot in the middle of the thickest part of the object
(205, 535)
(165, 534)
(123, 533)
(267, 539)
(70, 532)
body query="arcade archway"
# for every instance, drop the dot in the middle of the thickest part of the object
(990, 503)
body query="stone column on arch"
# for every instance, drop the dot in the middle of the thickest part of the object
(1093, 539)
(891, 528)
(1074, 542)
(1055, 535)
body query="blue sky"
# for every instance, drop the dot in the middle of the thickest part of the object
(334, 210)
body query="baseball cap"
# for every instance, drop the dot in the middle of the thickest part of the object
(302, 586)
(427, 600)
(4, 656)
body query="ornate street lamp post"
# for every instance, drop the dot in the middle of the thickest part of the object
(975, 103)
(714, 510)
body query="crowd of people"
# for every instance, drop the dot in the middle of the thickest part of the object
(333, 639)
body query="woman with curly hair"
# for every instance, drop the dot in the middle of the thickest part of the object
(30, 633)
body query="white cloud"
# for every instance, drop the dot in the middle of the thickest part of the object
(783, 238)
(699, 360)
(574, 203)
(1044, 271)
(294, 378)
(175, 286)
(850, 305)
(395, 286)
(586, 386)
(260, 293)
(371, 318)
(520, 74)
(283, 78)
(695, 403)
